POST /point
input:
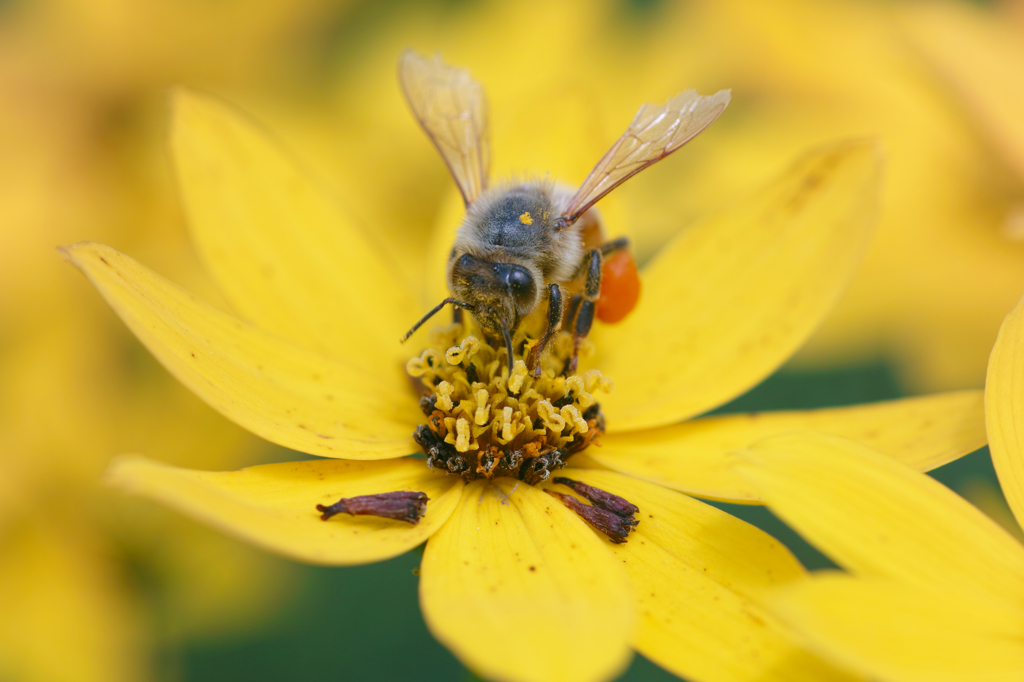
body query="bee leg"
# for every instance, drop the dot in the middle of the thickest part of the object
(585, 316)
(608, 248)
(555, 310)
(571, 310)
(569, 320)
(456, 315)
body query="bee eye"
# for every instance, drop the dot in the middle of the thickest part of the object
(520, 281)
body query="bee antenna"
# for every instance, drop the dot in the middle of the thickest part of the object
(436, 309)
(508, 346)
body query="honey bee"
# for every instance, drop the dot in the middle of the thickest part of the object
(525, 243)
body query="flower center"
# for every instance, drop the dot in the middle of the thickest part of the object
(486, 422)
(483, 422)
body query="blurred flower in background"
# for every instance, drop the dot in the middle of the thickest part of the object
(943, 267)
(82, 89)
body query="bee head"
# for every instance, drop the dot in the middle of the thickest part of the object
(502, 294)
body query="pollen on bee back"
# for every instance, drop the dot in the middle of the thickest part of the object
(483, 421)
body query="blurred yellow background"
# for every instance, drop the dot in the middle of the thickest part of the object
(82, 85)
(92, 584)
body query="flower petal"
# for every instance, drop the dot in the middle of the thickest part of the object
(730, 300)
(520, 589)
(281, 251)
(697, 571)
(693, 456)
(284, 393)
(879, 518)
(274, 505)
(894, 633)
(1004, 389)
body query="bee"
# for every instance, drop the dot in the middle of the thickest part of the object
(525, 247)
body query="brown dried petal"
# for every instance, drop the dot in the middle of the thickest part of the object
(601, 498)
(616, 527)
(401, 506)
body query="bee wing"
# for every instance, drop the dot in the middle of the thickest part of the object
(654, 133)
(452, 109)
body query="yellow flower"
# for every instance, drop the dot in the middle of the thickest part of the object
(937, 588)
(514, 583)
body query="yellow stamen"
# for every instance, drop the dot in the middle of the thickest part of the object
(484, 421)
(462, 443)
(519, 372)
(463, 351)
(481, 407)
(444, 392)
(550, 416)
(570, 415)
